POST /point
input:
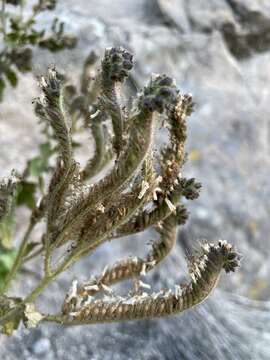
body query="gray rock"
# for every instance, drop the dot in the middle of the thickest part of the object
(41, 346)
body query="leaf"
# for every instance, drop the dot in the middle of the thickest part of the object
(76, 144)
(11, 76)
(40, 163)
(26, 194)
(46, 150)
(10, 326)
(14, 2)
(6, 227)
(12, 38)
(2, 88)
(36, 166)
(14, 24)
(7, 304)
(7, 257)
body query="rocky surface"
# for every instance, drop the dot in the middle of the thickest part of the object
(219, 51)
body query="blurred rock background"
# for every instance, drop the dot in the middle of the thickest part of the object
(219, 50)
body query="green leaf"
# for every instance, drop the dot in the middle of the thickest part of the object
(6, 227)
(40, 163)
(14, 24)
(76, 144)
(2, 88)
(10, 326)
(46, 150)
(14, 2)
(11, 76)
(7, 304)
(26, 194)
(36, 166)
(12, 38)
(7, 258)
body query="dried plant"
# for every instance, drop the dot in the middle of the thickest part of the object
(20, 35)
(141, 190)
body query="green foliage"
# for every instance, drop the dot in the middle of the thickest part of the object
(11, 77)
(26, 194)
(34, 173)
(6, 231)
(20, 37)
(39, 165)
(7, 258)
(58, 40)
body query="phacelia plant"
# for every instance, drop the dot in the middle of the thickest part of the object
(142, 189)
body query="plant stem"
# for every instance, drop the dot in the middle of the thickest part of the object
(31, 297)
(49, 278)
(35, 254)
(38, 290)
(19, 258)
(47, 259)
